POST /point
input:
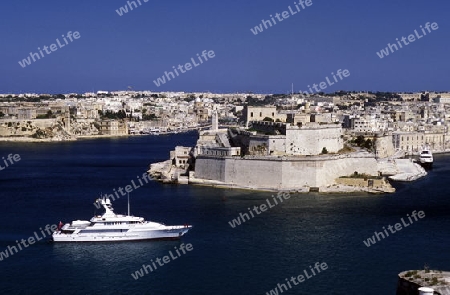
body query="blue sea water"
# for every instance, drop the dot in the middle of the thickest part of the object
(60, 181)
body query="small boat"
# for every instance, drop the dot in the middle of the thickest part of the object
(426, 158)
(115, 227)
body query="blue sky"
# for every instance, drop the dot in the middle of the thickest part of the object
(115, 52)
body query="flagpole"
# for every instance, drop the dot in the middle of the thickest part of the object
(128, 204)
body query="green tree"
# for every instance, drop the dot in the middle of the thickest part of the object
(368, 144)
(150, 117)
(359, 141)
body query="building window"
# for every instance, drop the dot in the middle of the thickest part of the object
(260, 114)
(251, 114)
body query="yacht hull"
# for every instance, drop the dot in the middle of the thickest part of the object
(426, 159)
(167, 234)
(427, 165)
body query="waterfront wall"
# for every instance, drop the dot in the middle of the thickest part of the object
(282, 173)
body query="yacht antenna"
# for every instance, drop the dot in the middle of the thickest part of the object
(128, 204)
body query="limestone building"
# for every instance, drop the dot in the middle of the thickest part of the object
(414, 142)
(112, 127)
(254, 113)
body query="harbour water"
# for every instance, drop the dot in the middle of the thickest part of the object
(60, 181)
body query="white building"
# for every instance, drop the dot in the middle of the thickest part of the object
(370, 124)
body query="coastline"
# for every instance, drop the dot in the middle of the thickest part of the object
(32, 140)
(46, 140)
(166, 172)
(27, 139)
(398, 170)
(330, 189)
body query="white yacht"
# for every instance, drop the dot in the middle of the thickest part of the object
(115, 227)
(426, 157)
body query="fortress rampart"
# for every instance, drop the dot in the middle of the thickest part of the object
(284, 173)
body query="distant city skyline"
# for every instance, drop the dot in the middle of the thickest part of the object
(296, 43)
(304, 94)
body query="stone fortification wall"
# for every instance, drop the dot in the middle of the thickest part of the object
(253, 173)
(311, 140)
(258, 145)
(24, 127)
(269, 127)
(278, 173)
(45, 123)
(276, 145)
(307, 140)
(210, 168)
(361, 182)
(16, 128)
(346, 166)
(267, 145)
(385, 146)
